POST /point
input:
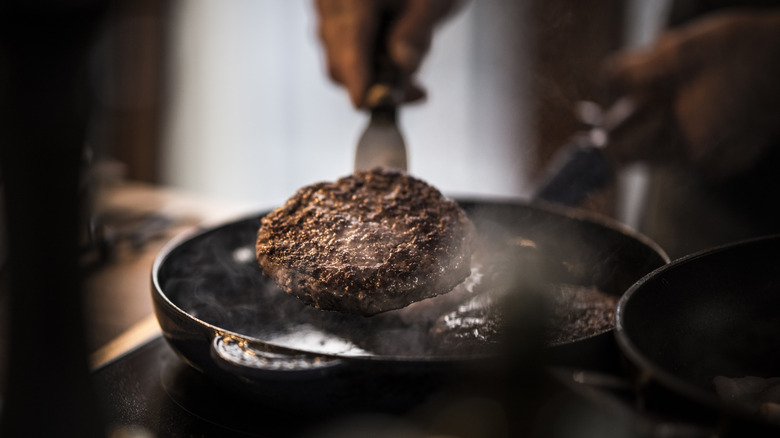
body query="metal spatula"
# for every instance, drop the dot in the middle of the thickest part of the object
(381, 144)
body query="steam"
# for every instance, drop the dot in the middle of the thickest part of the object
(309, 338)
(216, 278)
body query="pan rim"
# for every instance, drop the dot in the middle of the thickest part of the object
(648, 368)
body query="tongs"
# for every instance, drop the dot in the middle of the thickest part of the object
(382, 144)
(582, 166)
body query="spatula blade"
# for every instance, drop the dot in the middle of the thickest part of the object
(382, 143)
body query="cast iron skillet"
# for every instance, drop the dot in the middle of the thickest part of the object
(225, 319)
(714, 313)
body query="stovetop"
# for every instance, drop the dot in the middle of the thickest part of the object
(151, 391)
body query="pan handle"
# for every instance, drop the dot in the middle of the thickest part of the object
(242, 357)
(580, 169)
(582, 166)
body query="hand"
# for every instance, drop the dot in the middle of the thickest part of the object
(349, 32)
(711, 90)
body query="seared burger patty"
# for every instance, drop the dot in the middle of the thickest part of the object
(370, 242)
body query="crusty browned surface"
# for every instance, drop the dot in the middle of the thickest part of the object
(372, 241)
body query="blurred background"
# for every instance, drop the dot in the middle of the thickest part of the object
(232, 100)
(229, 103)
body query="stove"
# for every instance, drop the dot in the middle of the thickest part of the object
(151, 391)
(146, 390)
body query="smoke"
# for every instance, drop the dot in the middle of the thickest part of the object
(214, 277)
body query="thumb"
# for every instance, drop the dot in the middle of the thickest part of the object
(410, 37)
(646, 73)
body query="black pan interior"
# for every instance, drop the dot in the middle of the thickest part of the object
(214, 277)
(711, 314)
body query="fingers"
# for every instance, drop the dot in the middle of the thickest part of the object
(678, 56)
(347, 29)
(649, 135)
(410, 37)
(413, 92)
(726, 92)
(649, 77)
(727, 125)
(648, 74)
(704, 97)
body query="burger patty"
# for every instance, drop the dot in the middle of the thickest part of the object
(372, 241)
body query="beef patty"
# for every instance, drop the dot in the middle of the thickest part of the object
(372, 241)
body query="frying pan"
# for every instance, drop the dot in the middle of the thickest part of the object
(225, 319)
(708, 316)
